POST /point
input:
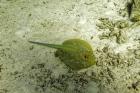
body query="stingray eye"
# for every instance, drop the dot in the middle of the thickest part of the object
(85, 56)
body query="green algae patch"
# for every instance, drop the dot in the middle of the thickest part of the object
(105, 23)
(111, 29)
(121, 24)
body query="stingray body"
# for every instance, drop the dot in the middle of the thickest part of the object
(75, 53)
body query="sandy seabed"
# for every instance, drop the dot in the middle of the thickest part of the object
(28, 68)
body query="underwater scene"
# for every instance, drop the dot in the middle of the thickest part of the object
(69, 46)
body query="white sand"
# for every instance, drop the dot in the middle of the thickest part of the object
(27, 68)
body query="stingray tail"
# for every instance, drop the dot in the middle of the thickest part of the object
(64, 47)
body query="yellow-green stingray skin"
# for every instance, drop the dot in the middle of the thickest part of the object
(75, 53)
